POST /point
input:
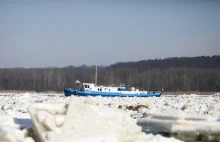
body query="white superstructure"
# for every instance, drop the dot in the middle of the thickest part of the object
(93, 87)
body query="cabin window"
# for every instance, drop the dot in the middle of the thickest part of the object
(100, 89)
(86, 86)
(109, 89)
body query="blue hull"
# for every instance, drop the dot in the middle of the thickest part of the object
(69, 92)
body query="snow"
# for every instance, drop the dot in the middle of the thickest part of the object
(14, 108)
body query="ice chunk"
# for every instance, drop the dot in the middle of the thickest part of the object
(59, 120)
(187, 127)
(9, 131)
(25, 96)
(89, 122)
(43, 119)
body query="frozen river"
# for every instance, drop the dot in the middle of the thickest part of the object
(14, 109)
(16, 104)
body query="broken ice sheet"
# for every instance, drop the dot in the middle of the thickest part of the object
(86, 122)
(187, 127)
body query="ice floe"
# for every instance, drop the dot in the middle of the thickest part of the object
(87, 122)
(187, 127)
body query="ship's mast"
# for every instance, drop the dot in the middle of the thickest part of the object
(96, 75)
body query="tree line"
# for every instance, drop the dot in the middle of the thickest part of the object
(173, 74)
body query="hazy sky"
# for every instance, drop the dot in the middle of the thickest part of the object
(39, 33)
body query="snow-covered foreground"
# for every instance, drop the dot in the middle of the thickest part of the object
(14, 109)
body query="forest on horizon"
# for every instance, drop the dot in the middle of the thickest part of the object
(200, 73)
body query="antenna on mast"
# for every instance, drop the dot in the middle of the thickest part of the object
(96, 75)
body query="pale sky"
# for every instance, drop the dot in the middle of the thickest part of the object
(40, 33)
